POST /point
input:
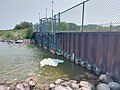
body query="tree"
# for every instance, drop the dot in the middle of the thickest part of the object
(17, 27)
(72, 27)
(64, 26)
(23, 25)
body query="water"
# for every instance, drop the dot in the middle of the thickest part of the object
(18, 61)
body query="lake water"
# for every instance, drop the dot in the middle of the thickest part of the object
(18, 61)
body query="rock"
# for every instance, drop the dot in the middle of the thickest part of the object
(32, 78)
(103, 87)
(29, 83)
(59, 87)
(58, 81)
(105, 78)
(8, 83)
(12, 87)
(41, 87)
(79, 77)
(114, 86)
(74, 86)
(91, 76)
(19, 87)
(4, 87)
(32, 83)
(52, 85)
(65, 84)
(93, 82)
(68, 88)
(72, 81)
(86, 85)
(85, 88)
(2, 82)
(26, 86)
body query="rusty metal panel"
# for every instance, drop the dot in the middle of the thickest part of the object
(76, 46)
(95, 46)
(79, 45)
(66, 42)
(74, 36)
(101, 50)
(118, 56)
(111, 53)
(69, 43)
(62, 41)
(90, 44)
(86, 46)
(82, 47)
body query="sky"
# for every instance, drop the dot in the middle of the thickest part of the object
(13, 12)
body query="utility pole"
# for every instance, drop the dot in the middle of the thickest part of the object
(83, 11)
(46, 13)
(39, 17)
(52, 16)
(52, 8)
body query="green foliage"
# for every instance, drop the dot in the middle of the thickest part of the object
(24, 30)
(64, 26)
(87, 28)
(23, 25)
(14, 34)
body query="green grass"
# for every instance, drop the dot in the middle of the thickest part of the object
(13, 34)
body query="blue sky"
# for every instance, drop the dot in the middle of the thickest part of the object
(16, 11)
(13, 12)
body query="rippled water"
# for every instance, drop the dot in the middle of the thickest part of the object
(17, 61)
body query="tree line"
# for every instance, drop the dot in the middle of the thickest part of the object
(25, 25)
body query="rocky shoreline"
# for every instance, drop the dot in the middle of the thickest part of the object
(103, 82)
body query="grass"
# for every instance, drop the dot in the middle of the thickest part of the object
(13, 34)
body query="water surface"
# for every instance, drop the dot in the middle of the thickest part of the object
(17, 61)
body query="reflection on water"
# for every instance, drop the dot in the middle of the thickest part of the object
(17, 61)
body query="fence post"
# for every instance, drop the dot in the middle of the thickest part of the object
(54, 24)
(59, 21)
(40, 26)
(83, 11)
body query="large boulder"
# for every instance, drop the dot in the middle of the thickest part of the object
(65, 84)
(52, 85)
(19, 87)
(86, 85)
(74, 86)
(59, 87)
(26, 86)
(2, 87)
(58, 81)
(42, 87)
(114, 86)
(103, 86)
(105, 78)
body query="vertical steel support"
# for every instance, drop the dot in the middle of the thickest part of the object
(47, 25)
(40, 26)
(59, 21)
(54, 23)
(54, 28)
(83, 11)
